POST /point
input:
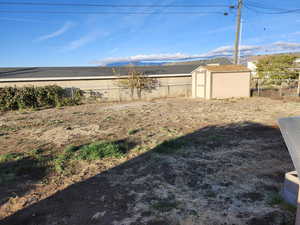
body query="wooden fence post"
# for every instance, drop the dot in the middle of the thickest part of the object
(258, 88)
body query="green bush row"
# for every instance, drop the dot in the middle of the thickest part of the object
(15, 98)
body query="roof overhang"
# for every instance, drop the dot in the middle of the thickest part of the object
(85, 78)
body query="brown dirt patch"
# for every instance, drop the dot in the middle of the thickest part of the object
(225, 160)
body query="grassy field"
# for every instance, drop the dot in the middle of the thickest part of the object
(162, 162)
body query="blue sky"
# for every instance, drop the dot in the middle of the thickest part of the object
(85, 40)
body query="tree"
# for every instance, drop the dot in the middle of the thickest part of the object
(136, 81)
(277, 67)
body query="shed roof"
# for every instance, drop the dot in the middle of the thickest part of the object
(51, 72)
(227, 68)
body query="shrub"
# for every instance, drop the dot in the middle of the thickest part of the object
(13, 98)
(10, 156)
(93, 151)
(136, 82)
(49, 95)
(99, 150)
(59, 163)
(133, 131)
(169, 146)
(277, 67)
(8, 99)
(165, 205)
(70, 149)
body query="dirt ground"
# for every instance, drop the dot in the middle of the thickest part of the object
(188, 162)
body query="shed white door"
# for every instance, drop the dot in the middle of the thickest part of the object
(199, 84)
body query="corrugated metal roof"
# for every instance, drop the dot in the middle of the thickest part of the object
(50, 72)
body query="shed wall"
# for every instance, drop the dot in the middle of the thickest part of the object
(230, 85)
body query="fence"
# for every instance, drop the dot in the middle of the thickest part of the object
(275, 87)
(121, 94)
(106, 88)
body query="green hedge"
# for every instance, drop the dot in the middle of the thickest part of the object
(15, 98)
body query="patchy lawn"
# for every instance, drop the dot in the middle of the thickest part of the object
(163, 162)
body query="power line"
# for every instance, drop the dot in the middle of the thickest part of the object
(260, 5)
(274, 13)
(105, 12)
(259, 8)
(111, 5)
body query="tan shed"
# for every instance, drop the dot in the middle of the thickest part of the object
(221, 81)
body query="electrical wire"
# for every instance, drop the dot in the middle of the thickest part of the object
(110, 5)
(259, 8)
(280, 12)
(142, 6)
(103, 12)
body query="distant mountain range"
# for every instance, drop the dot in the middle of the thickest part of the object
(136, 64)
(246, 58)
(221, 61)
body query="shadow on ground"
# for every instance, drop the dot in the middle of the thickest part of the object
(215, 175)
(16, 177)
(20, 171)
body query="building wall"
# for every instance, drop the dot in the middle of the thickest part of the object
(208, 84)
(230, 85)
(108, 89)
(252, 66)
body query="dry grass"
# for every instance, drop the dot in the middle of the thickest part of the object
(183, 161)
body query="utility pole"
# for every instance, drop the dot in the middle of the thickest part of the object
(298, 89)
(238, 31)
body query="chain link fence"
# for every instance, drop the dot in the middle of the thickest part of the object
(124, 94)
(275, 87)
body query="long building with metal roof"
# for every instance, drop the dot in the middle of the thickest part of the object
(69, 72)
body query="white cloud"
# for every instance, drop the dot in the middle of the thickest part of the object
(218, 52)
(286, 44)
(58, 32)
(90, 37)
(137, 58)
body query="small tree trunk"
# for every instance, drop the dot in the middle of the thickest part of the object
(139, 93)
(132, 92)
